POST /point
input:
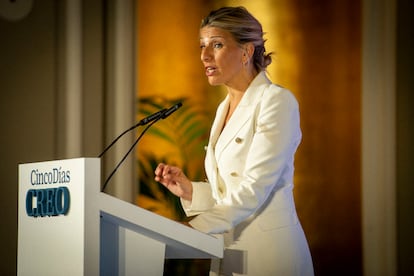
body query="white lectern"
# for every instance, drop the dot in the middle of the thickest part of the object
(68, 227)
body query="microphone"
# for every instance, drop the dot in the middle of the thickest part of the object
(146, 120)
(171, 110)
(152, 117)
(162, 115)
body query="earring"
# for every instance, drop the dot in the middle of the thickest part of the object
(245, 59)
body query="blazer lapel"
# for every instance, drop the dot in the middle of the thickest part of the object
(218, 123)
(243, 112)
(210, 160)
(237, 120)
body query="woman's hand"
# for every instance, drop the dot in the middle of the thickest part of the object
(175, 180)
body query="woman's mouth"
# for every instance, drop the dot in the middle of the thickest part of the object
(210, 70)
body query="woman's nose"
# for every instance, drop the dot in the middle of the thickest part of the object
(205, 54)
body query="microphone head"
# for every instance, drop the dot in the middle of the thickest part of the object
(171, 110)
(152, 117)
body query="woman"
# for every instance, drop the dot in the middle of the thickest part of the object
(249, 159)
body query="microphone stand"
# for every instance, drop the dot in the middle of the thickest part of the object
(126, 155)
(155, 116)
(152, 119)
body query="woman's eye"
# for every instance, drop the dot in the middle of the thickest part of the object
(218, 45)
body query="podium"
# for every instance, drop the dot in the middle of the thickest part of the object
(66, 226)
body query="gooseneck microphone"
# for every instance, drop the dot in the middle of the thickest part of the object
(162, 114)
(171, 110)
(144, 121)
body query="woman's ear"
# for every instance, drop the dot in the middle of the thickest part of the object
(249, 49)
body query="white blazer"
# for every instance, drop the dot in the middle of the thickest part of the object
(248, 195)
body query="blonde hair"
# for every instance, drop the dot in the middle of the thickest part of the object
(244, 27)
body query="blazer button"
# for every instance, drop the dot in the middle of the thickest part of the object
(234, 174)
(238, 140)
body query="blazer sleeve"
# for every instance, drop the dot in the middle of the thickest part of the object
(268, 163)
(202, 199)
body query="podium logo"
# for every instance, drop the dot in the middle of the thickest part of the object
(47, 202)
(54, 176)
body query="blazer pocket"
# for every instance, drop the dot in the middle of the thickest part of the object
(277, 219)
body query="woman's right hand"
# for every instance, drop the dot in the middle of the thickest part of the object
(175, 180)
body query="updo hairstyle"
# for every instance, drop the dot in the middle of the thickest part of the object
(244, 27)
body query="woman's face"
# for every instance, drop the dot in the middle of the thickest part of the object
(222, 56)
